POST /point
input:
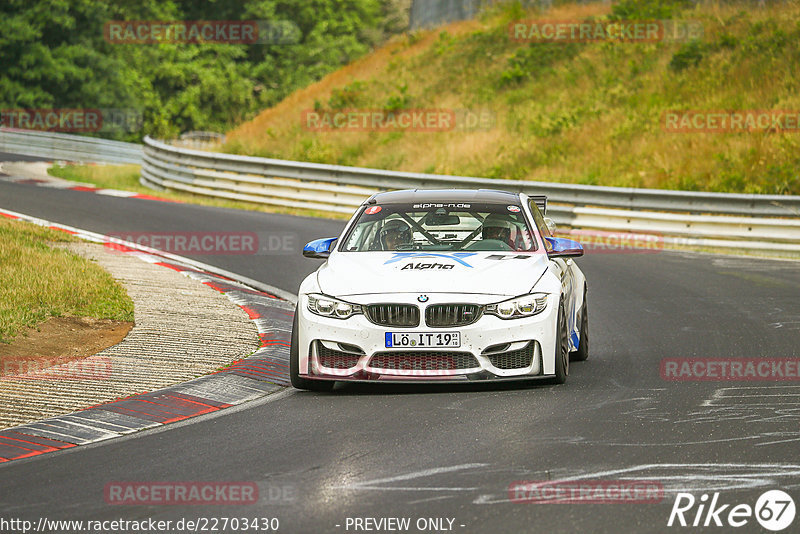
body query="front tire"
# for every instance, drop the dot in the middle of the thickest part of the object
(562, 347)
(582, 353)
(294, 365)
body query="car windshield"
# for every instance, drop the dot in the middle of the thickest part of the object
(441, 226)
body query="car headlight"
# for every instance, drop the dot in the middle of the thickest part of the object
(330, 307)
(524, 306)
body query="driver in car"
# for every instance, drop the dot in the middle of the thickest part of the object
(498, 227)
(395, 234)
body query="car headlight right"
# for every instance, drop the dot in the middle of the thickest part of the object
(524, 306)
(326, 306)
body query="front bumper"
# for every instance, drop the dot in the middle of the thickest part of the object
(354, 349)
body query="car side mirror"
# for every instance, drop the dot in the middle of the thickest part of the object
(550, 224)
(561, 247)
(319, 248)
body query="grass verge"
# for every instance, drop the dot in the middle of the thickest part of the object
(40, 282)
(588, 113)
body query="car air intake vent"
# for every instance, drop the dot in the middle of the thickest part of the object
(393, 314)
(446, 315)
(423, 361)
(335, 359)
(515, 359)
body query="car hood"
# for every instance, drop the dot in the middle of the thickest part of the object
(495, 273)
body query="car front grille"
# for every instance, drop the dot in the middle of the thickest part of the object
(393, 314)
(423, 361)
(335, 359)
(515, 359)
(447, 315)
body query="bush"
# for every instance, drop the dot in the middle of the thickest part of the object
(537, 56)
(349, 96)
(689, 55)
(648, 9)
(399, 101)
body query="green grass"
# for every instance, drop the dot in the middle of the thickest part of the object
(40, 282)
(588, 113)
(126, 178)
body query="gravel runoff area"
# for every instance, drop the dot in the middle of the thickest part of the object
(183, 330)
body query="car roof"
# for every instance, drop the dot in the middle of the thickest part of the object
(443, 196)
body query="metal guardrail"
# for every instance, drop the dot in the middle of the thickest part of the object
(703, 219)
(616, 197)
(59, 146)
(733, 220)
(200, 139)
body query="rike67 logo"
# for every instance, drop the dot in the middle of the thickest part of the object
(774, 510)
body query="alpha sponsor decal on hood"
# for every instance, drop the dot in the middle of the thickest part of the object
(359, 273)
(424, 266)
(459, 257)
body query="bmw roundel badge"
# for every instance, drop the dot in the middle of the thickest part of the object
(422, 298)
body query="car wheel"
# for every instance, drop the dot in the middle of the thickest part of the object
(294, 366)
(582, 353)
(562, 346)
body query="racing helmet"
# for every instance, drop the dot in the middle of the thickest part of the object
(394, 233)
(499, 227)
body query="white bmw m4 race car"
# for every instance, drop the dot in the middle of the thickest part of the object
(441, 285)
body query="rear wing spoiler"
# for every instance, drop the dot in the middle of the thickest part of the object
(540, 201)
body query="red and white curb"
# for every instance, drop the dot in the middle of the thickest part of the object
(264, 372)
(67, 185)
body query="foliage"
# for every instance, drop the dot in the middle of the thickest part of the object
(55, 56)
(648, 9)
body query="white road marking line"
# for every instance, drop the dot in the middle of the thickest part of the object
(375, 484)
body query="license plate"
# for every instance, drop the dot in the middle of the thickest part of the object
(402, 340)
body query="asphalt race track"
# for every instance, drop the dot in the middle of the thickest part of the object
(5, 156)
(453, 451)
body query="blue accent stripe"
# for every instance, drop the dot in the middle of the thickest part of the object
(457, 256)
